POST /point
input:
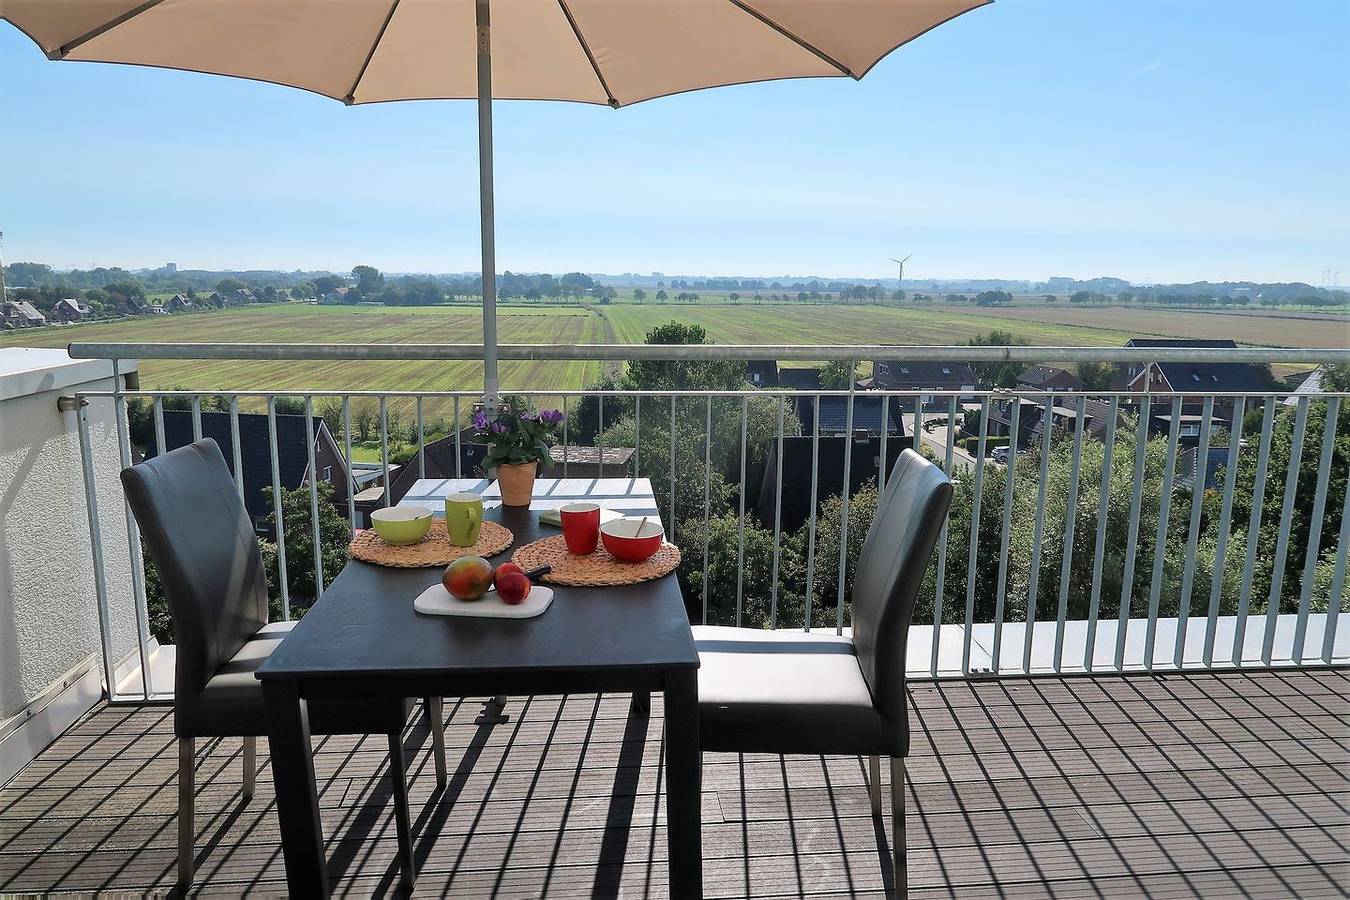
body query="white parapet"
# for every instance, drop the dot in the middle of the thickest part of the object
(50, 651)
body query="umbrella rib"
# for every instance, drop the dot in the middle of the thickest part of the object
(375, 45)
(805, 45)
(595, 66)
(63, 51)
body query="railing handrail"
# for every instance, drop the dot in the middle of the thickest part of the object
(871, 393)
(706, 352)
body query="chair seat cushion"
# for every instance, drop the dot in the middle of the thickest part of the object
(232, 702)
(783, 691)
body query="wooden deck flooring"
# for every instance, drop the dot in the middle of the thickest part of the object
(1230, 784)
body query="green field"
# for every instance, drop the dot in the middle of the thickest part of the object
(626, 323)
(314, 324)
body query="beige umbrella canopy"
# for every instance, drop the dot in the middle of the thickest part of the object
(613, 52)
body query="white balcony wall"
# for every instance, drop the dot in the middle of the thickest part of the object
(49, 626)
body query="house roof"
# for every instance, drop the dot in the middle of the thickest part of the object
(1049, 376)
(440, 463)
(799, 379)
(254, 448)
(1204, 376)
(581, 455)
(25, 309)
(866, 414)
(924, 374)
(1310, 385)
(76, 306)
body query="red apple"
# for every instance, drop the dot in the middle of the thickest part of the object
(468, 577)
(513, 587)
(503, 569)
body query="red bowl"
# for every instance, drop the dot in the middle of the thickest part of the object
(622, 540)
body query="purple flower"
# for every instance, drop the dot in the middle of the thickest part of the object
(550, 416)
(480, 419)
(529, 417)
(497, 428)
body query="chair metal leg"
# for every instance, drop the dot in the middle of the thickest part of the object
(250, 766)
(898, 826)
(874, 783)
(398, 771)
(435, 709)
(187, 834)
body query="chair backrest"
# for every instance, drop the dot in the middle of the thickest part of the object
(204, 548)
(894, 557)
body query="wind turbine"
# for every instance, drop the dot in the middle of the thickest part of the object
(900, 282)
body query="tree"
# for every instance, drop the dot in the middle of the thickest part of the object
(334, 535)
(326, 283)
(229, 285)
(755, 573)
(369, 280)
(1096, 376)
(997, 374)
(838, 375)
(661, 296)
(679, 375)
(639, 295)
(129, 288)
(1051, 298)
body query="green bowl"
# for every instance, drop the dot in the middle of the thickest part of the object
(400, 525)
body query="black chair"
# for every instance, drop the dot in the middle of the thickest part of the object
(812, 693)
(202, 542)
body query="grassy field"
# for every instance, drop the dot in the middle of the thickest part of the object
(304, 323)
(628, 323)
(792, 324)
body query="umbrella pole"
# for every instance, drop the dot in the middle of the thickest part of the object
(486, 206)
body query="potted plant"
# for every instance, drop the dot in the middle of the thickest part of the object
(517, 440)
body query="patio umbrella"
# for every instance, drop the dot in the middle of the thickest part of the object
(612, 52)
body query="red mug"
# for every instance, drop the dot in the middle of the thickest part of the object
(581, 527)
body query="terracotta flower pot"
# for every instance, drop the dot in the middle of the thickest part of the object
(516, 483)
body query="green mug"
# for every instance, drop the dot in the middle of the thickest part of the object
(463, 518)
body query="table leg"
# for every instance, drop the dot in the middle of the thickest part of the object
(297, 796)
(684, 780)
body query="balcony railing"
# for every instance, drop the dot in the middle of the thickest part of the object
(1186, 531)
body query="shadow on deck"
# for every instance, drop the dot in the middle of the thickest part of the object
(1101, 786)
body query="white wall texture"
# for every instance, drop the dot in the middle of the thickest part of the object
(48, 612)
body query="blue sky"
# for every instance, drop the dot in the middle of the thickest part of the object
(1157, 140)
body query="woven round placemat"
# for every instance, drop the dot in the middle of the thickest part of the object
(433, 550)
(596, 569)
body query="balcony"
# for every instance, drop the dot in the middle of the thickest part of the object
(1103, 786)
(1071, 743)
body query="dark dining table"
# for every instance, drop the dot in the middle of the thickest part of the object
(362, 638)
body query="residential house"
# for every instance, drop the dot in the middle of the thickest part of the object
(255, 454)
(1063, 414)
(126, 305)
(867, 415)
(1049, 378)
(903, 375)
(179, 303)
(336, 295)
(1200, 378)
(238, 297)
(20, 314)
(71, 309)
(762, 372)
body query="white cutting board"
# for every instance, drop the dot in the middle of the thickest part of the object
(436, 601)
